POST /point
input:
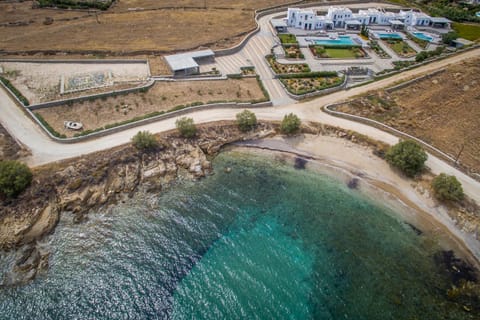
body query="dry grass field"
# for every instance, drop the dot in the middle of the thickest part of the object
(129, 26)
(163, 96)
(442, 110)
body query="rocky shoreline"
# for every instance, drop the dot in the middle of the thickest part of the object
(104, 178)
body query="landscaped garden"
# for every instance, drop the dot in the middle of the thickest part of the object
(281, 68)
(310, 82)
(338, 52)
(287, 38)
(293, 52)
(378, 50)
(401, 48)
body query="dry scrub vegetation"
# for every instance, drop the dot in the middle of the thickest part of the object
(163, 96)
(442, 110)
(129, 26)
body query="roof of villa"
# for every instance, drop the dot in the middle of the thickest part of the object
(440, 20)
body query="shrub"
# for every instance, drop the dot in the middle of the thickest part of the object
(144, 140)
(448, 37)
(422, 55)
(447, 187)
(246, 120)
(408, 156)
(14, 177)
(15, 91)
(290, 124)
(186, 127)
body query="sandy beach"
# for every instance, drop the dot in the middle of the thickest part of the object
(378, 181)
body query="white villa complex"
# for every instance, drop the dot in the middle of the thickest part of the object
(342, 17)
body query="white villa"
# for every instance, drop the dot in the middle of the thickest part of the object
(342, 17)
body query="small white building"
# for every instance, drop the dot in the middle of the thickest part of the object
(184, 64)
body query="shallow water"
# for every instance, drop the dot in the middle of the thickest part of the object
(265, 241)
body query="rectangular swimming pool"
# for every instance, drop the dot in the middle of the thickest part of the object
(389, 36)
(422, 36)
(340, 41)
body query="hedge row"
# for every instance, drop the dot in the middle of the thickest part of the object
(15, 91)
(324, 74)
(302, 92)
(264, 90)
(49, 127)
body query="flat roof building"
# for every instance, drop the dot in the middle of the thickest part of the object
(187, 63)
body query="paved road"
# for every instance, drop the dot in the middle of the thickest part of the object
(44, 150)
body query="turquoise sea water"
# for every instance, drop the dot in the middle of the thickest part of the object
(265, 241)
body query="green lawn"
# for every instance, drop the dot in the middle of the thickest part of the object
(340, 53)
(287, 38)
(467, 31)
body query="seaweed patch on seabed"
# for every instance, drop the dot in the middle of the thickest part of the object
(457, 269)
(353, 183)
(300, 163)
(415, 229)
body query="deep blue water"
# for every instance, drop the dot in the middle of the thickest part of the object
(265, 241)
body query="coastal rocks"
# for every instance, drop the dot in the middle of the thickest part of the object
(28, 226)
(104, 178)
(28, 263)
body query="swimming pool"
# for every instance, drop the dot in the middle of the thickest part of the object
(422, 36)
(389, 36)
(340, 41)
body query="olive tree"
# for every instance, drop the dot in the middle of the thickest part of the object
(408, 156)
(447, 187)
(14, 177)
(290, 124)
(246, 120)
(186, 127)
(144, 140)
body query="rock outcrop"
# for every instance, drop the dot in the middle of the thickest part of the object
(104, 178)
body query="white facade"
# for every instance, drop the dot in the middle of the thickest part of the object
(339, 17)
(375, 16)
(307, 20)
